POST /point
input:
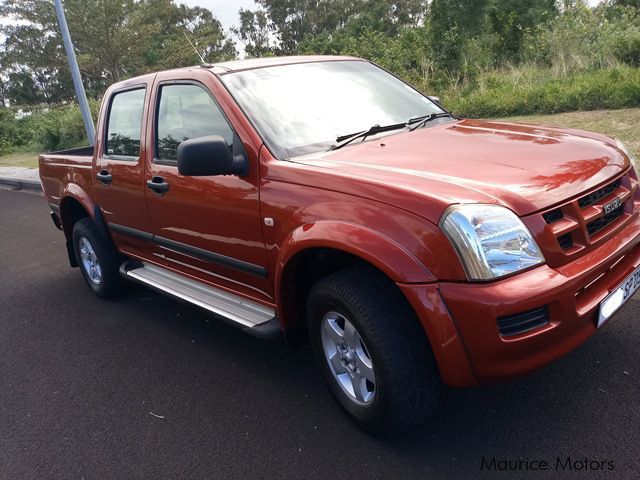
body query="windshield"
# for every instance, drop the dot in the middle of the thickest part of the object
(303, 108)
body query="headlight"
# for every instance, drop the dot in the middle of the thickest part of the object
(632, 157)
(491, 240)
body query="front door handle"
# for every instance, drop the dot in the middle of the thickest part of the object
(105, 177)
(158, 185)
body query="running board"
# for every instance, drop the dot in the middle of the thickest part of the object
(251, 317)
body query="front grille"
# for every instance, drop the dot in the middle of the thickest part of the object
(570, 228)
(598, 195)
(523, 322)
(553, 216)
(565, 241)
(602, 222)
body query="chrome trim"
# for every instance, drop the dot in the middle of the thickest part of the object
(229, 306)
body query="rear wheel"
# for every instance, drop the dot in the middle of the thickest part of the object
(98, 259)
(372, 351)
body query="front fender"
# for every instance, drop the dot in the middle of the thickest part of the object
(393, 259)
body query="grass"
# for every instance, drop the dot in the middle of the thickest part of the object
(24, 159)
(622, 124)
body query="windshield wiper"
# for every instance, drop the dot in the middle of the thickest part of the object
(412, 125)
(345, 140)
(420, 122)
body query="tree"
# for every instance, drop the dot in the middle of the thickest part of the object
(511, 19)
(626, 3)
(171, 29)
(390, 17)
(113, 39)
(3, 93)
(293, 20)
(99, 29)
(255, 32)
(452, 23)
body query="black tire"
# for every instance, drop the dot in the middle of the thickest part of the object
(108, 259)
(407, 381)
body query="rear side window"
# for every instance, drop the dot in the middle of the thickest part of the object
(124, 124)
(186, 112)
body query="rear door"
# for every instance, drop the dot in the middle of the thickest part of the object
(205, 227)
(119, 170)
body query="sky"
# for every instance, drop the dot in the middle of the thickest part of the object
(225, 10)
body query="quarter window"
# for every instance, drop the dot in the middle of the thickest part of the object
(186, 112)
(124, 124)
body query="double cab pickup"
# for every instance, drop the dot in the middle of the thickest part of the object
(324, 198)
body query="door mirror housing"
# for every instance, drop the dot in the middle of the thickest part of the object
(435, 99)
(208, 156)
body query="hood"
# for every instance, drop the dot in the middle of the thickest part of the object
(524, 167)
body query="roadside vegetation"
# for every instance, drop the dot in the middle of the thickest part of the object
(487, 58)
(23, 160)
(531, 90)
(623, 124)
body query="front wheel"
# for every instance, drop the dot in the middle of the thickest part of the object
(372, 351)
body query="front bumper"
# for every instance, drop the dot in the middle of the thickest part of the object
(464, 326)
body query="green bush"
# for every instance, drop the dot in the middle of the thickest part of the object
(47, 129)
(8, 131)
(582, 59)
(626, 47)
(530, 90)
(582, 38)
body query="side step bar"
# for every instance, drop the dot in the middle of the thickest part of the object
(251, 317)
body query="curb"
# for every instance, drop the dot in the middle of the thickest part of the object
(21, 184)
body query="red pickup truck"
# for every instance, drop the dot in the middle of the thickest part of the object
(323, 196)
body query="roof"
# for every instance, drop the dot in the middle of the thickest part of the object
(241, 65)
(250, 64)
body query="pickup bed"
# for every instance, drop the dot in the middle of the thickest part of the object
(324, 198)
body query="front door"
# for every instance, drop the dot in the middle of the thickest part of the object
(206, 227)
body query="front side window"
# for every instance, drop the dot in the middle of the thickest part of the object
(124, 124)
(186, 112)
(303, 108)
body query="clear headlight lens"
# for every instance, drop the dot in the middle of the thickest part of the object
(491, 240)
(632, 157)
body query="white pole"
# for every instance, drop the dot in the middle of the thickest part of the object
(75, 74)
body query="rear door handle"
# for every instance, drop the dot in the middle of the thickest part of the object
(158, 185)
(105, 177)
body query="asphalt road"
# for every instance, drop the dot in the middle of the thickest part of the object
(144, 387)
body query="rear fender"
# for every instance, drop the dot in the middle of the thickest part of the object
(76, 195)
(73, 191)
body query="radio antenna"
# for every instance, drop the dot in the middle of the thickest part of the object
(194, 48)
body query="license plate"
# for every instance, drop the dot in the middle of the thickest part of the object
(618, 297)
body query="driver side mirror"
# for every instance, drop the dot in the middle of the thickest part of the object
(435, 99)
(208, 156)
